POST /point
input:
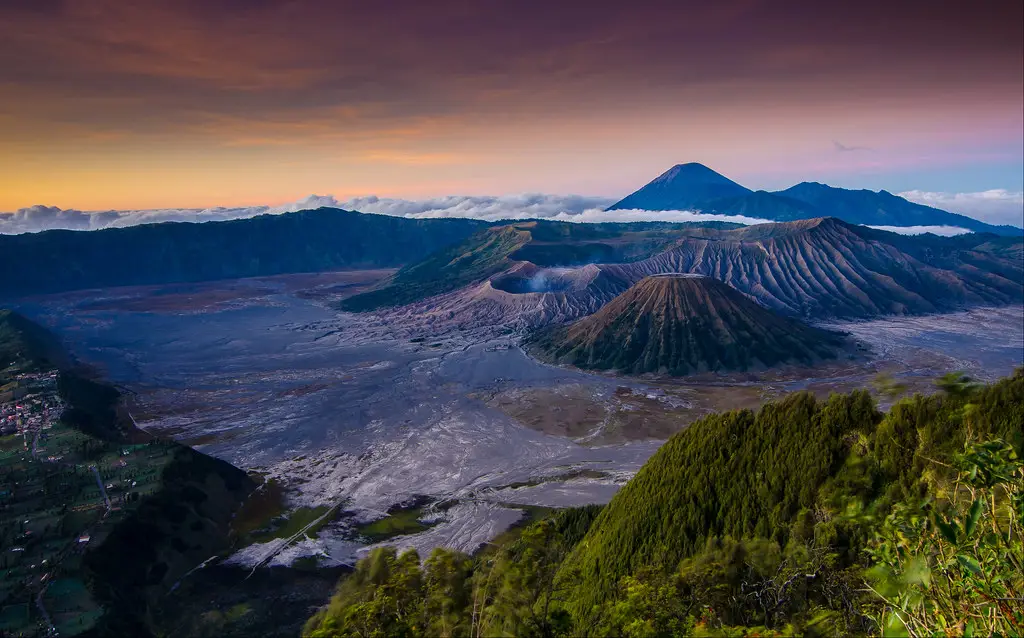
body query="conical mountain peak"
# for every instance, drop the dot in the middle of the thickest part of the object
(682, 187)
(684, 324)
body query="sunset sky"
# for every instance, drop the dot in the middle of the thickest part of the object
(195, 103)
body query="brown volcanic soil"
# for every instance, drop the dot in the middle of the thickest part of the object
(679, 324)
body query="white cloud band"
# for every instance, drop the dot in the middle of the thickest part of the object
(995, 206)
(943, 231)
(570, 208)
(992, 206)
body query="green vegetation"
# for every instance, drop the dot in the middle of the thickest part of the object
(24, 346)
(502, 593)
(484, 254)
(290, 524)
(98, 520)
(265, 504)
(396, 523)
(955, 565)
(805, 518)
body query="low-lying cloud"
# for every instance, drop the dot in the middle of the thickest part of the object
(997, 206)
(38, 218)
(944, 231)
(489, 208)
(569, 208)
(563, 208)
(991, 206)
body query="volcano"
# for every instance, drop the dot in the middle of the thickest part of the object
(684, 324)
(683, 187)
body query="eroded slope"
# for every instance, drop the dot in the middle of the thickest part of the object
(681, 324)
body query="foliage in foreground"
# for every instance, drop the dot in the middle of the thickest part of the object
(953, 562)
(807, 518)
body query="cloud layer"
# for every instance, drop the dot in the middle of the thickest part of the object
(570, 208)
(943, 231)
(38, 218)
(997, 206)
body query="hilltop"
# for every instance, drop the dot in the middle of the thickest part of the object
(684, 324)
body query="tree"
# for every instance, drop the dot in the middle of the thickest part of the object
(527, 598)
(650, 606)
(447, 594)
(954, 561)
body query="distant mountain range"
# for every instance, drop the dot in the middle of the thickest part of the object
(307, 241)
(684, 324)
(696, 187)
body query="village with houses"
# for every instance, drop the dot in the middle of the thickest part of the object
(61, 492)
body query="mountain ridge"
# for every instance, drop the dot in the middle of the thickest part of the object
(805, 199)
(176, 252)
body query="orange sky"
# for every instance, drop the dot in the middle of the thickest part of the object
(107, 104)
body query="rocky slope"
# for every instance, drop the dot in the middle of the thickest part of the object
(683, 324)
(825, 267)
(818, 269)
(813, 268)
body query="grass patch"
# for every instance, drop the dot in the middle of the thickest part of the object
(291, 524)
(397, 523)
(581, 473)
(531, 514)
(235, 613)
(263, 506)
(11, 442)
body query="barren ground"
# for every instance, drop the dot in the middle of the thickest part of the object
(363, 413)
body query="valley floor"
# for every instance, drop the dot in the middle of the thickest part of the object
(359, 419)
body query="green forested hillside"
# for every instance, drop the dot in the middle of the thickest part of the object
(738, 474)
(26, 346)
(482, 255)
(808, 518)
(98, 520)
